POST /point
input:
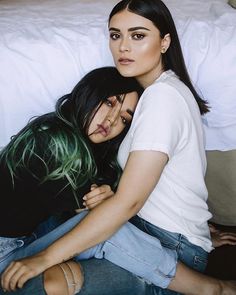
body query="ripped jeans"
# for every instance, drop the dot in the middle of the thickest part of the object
(129, 248)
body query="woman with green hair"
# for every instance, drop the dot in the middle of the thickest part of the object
(47, 168)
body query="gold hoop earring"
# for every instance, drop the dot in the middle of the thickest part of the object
(163, 50)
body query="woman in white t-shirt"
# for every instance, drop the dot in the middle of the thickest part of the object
(166, 135)
(162, 156)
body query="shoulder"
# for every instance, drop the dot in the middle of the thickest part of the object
(164, 95)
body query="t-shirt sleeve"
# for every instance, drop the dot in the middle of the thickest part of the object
(162, 123)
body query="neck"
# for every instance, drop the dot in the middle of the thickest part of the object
(148, 79)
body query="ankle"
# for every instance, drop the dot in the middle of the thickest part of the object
(220, 287)
(211, 286)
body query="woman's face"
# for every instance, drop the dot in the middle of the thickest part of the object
(112, 117)
(136, 47)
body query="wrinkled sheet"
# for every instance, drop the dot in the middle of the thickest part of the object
(46, 46)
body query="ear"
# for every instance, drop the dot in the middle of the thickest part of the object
(165, 43)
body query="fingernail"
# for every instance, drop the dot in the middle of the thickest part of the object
(84, 198)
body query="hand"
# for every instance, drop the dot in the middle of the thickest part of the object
(220, 238)
(97, 195)
(19, 272)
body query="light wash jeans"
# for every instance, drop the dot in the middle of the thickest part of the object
(129, 248)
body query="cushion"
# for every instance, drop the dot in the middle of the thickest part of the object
(232, 3)
(221, 184)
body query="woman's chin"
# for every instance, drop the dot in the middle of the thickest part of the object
(125, 71)
(96, 139)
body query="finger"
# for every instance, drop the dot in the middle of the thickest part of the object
(24, 278)
(211, 226)
(93, 186)
(93, 193)
(214, 230)
(10, 283)
(228, 236)
(104, 189)
(7, 275)
(226, 242)
(94, 205)
(92, 201)
(100, 197)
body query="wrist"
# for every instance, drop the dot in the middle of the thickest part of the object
(47, 258)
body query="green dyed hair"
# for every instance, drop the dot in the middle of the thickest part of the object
(54, 148)
(56, 145)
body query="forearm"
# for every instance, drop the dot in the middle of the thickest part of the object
(104, 220)
(97, 226)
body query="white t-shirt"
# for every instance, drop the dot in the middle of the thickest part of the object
(167, 119)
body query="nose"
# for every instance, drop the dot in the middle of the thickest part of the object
(124, 45)
(113, 115)
(112, 119)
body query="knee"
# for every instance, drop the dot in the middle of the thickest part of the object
(65, 278)
(53, 281)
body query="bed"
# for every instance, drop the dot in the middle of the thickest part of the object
(46, 46)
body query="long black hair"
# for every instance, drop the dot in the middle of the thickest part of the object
(157, 12)
(58, 141)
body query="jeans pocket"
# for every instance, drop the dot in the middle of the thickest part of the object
(9, 246)
(167, 239)
(168, 243)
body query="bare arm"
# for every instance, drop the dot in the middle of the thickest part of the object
(139, 178)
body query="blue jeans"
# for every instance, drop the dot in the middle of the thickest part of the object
(16, 248)
(191, 255)
(130, 248)
(101, 278)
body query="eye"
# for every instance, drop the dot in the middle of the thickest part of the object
(114, 36)
(108, 103)
(124, 120)
(138, 36)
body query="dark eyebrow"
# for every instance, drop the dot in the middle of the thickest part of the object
(120, 98)
(130, 29)
(130, 112)
(137, 28)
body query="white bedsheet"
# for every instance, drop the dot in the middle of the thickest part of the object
(46, 46)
